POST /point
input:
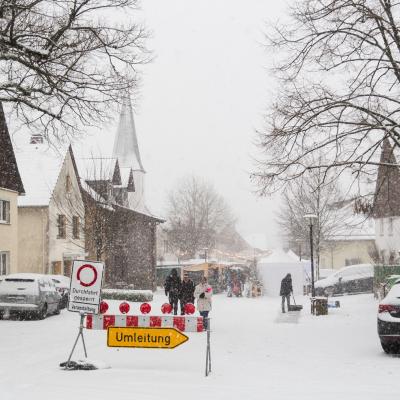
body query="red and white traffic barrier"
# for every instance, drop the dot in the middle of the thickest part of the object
(183, 323)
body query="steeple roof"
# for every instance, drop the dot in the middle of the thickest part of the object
(387, 190)
(126, 147)
(9, 174)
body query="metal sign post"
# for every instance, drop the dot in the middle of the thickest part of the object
(84, 295)
(80, 334)
(208, 351)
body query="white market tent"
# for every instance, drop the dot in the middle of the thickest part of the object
(273, 269)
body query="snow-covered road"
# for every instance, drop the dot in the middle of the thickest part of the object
(256, 352)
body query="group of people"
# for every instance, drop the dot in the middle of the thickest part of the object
(185, 291)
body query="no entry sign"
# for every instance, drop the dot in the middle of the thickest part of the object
(86, 281)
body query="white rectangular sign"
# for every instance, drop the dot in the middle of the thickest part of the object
(85, 289)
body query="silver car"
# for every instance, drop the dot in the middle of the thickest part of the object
(28, 295)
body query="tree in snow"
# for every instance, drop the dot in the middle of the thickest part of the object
(337, 64)
(312, 193)
(197, 215)
(66, 63)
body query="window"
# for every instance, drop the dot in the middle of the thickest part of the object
(381, 226)
(75, 227)
(390, 229)
(4, 262)
(68, 184)
(61, 226)
(4, 211)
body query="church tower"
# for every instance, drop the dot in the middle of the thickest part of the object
(126, 150)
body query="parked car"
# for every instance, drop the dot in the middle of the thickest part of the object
(389, 320)
(63, 284)
(352, 279)
(29, 295)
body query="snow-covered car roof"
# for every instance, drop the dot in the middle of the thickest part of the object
(393, 295)
(61, 280)
(358, 271)
(23, 275)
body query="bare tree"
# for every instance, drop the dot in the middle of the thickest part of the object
(339, 73)
(65, 63)
(196, 215)
(310, 195)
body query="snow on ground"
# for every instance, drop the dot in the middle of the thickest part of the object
(256, 354)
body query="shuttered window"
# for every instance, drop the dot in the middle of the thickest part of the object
(75, 227)
(62, 226)
(4, 211)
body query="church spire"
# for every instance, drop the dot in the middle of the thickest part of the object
(126, 147)
(387, 191)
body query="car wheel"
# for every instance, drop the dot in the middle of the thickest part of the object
(390, 347)
(43, 312)
(58, 309)
(1, 315)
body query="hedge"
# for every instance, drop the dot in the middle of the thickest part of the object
(129, 295)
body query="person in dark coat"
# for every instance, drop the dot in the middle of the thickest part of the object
(286, 290)
(187, 292)
(172, 288)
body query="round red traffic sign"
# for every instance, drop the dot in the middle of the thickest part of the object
(87, 275)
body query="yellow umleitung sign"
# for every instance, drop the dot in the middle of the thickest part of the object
(149, 338)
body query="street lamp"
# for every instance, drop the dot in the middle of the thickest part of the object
(299, 242)
(205, 254)
(311, 218)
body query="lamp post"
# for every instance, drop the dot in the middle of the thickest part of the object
(205, 254)
(298, 241)
(311, 218)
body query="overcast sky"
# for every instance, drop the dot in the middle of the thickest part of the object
(201, 100)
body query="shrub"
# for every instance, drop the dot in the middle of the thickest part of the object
(139, 296)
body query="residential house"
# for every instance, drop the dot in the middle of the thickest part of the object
(352, 242)
(10, 188)
(386, 206)
(51, 215)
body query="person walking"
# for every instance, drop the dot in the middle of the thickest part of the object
(203, 293)
(187, 292)
(172, 288)
(286, 290)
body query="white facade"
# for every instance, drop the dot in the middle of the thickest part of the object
(387, 236)
(51, 215)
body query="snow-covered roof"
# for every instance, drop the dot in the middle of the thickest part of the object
(279, 256)
(39, 166)
(353, 226)
(125, 173)
(96, 168)
(126, 147)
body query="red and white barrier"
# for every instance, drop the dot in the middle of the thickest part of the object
(182, 323)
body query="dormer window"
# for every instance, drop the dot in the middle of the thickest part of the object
(36, 138)
(390, 229)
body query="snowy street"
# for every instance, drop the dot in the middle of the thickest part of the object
(257, 353)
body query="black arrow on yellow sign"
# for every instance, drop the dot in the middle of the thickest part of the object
(145, 338)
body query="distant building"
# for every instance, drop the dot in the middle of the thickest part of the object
(51, 214)
(120, 230)
(386, 207)
(10, 188)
